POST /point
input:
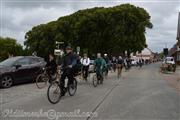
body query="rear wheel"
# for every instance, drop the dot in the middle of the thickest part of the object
(54, 93)
(72, 88)
(41, 81)
(6, 81)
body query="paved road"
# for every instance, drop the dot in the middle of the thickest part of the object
(140, 94)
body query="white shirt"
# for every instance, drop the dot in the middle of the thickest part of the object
(85, 61)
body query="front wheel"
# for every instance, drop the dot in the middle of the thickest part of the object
(6, 81)
(54, 93)
(95, 80)
(72, 88)
(41, 81)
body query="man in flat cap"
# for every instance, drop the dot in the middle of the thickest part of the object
(68, 62)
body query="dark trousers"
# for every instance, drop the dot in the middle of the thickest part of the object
(114, 67)
(69, 74)
(85, 71)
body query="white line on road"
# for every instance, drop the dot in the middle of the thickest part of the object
(104, 98)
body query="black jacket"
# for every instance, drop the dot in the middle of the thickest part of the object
(52, 66)
(69, 59)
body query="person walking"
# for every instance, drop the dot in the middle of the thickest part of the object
(140, 63)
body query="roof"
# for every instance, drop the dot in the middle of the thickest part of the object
(146, 51)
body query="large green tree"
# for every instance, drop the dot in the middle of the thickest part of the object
(9, 46)
(112, 30)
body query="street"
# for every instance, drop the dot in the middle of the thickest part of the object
(140, 94)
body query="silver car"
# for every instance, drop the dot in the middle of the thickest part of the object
(91, 66)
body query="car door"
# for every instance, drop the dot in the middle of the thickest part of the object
(34, 67)
(22, 73)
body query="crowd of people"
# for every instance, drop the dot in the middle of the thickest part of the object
(71, 64)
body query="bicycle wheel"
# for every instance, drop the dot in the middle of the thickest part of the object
(54, 93)
(95, 80)
(72, 88)
(41, 81)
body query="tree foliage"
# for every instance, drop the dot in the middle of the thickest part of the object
(110, 30)
(9, 46)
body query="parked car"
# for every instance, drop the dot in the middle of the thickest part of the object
(91, 66)
(134, 62)
(168, 64)
(20, 69)
(169, 60)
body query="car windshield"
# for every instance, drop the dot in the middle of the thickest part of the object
(169, 59)
(9, 62)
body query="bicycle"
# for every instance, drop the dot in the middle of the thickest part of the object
(80, 76)
(43, 78)
(54, 90)
(97, 79)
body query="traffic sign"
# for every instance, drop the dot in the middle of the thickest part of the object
(78, 49)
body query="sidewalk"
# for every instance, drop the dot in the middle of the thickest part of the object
(177, 74)
(174, 79)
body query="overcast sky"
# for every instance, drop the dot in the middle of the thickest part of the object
(19, 16)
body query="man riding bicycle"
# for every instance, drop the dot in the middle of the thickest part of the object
(68, 62)
(119, 65)
(114, 63)
(85, 61)
(99, 65)
(106, 68)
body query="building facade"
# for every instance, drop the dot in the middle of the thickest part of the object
(177, 53)
(146, 54)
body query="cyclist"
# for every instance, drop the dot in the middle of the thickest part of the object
(114, 61)
(106, 68)
(126, 64)
(99, 64)
(51, 66)
(119, 65)
(68, 62)
(85, 61)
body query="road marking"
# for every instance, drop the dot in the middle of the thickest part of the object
(104, 98)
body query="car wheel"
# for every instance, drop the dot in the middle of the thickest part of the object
(6, 81)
